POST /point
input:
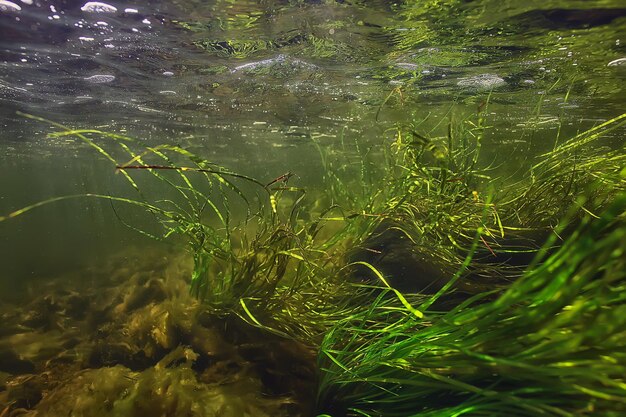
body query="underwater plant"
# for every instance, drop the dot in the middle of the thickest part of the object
(425, 290)
(551, 344)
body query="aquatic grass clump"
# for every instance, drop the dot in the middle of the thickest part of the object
(294, 278)
(582, 165)
(419, 225)
(478, 342)
(261, 264)
(552, 344)
(438, 194)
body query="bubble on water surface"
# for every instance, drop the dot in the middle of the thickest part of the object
(100, 78)
(408, 66)
(7, 6)
(616, 62)
(280, 62)
(482, 82)
(97, 7)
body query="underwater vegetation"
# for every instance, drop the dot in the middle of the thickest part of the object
(425, 285)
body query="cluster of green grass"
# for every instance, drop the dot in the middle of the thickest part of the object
(552, 343)
(544, 340)
(549, 342)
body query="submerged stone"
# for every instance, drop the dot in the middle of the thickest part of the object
(152, 291)
(405, 265)
(109, 354)
(11, 363)
(25, 391)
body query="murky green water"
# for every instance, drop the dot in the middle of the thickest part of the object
(248, 84)
(262, 88)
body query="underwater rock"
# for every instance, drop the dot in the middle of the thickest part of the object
(42, 314)
(10, 325)
(95, 317)
(208, 342)
(89, 393)
(25, 391)
(168, 389)
(404, 265)
(151, 292)
(106, 353)
(165, 331)
(71, 343)
(410, 268)
(11, 362)
(76, 305)
(286, 367)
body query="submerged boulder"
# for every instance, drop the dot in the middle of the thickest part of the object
(151, 292)
(401, 261)
(12, 363)
(170, 388)
(409, 265)
(25, 391)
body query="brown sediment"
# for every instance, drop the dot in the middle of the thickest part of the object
(127, 339)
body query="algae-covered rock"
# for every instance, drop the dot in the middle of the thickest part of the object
(152, 291)
(25, 391)
(12, 363)
(42, 313)
(170, 388)
(93, 392)
(136, 345)
(108, 353)
(402, 262)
